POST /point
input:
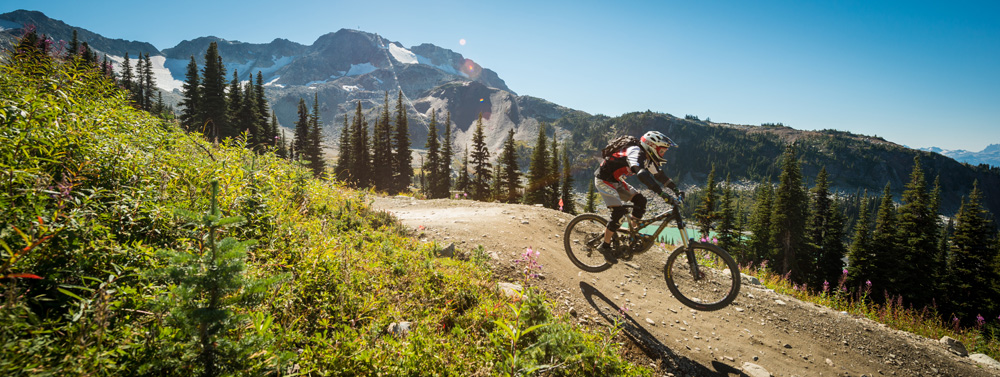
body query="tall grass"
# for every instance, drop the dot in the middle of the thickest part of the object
(891, 311)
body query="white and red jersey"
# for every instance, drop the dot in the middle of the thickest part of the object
(619, 165)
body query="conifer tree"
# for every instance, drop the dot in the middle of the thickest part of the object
(148, 84)
(361, 160)
(789, 217)
(444, 170)
(728, 234)
(830, 263)
(566, 194)
(344, 163)
(268, 130)
(552, 201)
(127, 76)
(591, 204)
(189, 116)
(432, 163)
(463, 183)
(481, 166)
(884, 242)
(73, 49)
(403, 171)
(971, 283)
(316, 160)
(213, 107)
(706, 214)
(917, 232)
(302, 133)
(510, 177)
(760, 246)
(538, 171)
(862, 256)
(282, 150)
(820, 213)
(382, 149)
(139, 87)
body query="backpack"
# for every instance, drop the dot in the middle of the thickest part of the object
(618, 144)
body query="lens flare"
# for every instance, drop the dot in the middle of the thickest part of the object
(471, 69)
(461, 41)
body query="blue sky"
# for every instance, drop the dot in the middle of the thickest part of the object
(919, 73)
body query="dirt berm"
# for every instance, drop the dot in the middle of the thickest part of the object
(777, 333)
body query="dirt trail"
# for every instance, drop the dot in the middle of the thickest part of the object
(783, 335)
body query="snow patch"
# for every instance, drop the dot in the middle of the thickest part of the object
(361, 69)
(272, 82)
(350, 88)
(403, 55)
(164, 79)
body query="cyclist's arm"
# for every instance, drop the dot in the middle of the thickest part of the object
(647, 179)
(665, 181)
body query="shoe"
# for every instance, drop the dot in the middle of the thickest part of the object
(608, 252)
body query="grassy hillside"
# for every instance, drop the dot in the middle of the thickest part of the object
(128, 247)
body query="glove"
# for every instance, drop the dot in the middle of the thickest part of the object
(667, 198)
(680, 194)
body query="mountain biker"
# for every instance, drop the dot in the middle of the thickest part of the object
(643, 161)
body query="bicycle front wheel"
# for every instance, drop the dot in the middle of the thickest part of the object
(702, 276)
(583, 235)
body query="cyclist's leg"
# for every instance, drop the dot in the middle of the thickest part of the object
(611, 193)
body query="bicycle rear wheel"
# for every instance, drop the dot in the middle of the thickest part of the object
(716, 284)
(582, 237)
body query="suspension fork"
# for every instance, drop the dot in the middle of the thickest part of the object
(689, 252)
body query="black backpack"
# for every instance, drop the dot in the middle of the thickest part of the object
(618, 144)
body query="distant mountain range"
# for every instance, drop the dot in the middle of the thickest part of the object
(346, 67)
(989, 156)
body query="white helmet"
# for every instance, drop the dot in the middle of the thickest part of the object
(655, 143)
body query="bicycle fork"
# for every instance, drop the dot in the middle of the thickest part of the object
(689, 251)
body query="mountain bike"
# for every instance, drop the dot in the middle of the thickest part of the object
(700, 275)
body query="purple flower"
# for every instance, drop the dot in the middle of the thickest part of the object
(868, 283)
(826, 286)
(980, 320)
(715, 240)
(845, 271)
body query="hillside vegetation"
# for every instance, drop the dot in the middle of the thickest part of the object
(129, 247)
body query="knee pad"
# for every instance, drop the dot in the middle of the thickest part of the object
(616, 218)
(638, 206)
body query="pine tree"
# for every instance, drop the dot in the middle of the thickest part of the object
(463, 183)
(538, 171)
(729, 237)
(73, 49)
(127, 76)
(591, 205)
(444, 169)
(344, 153)
(361, 168)
(189, 117)
(268, 130)
(862, 256)
(760, 247)
(706, 214)
(566, 194)
(789, 217)
(917, 232)
(481, 167)
(282, 150)
(884, 242)
(973, 269)
(820, 214)
(382, 149)
(316, 160)
(213, 107)
(432, 163)
(830, 263)
(552, 200)
(149, 84)
(302, 133)
(510, 179)
(403, 170)
(139, 87)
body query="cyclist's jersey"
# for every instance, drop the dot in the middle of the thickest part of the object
(619, 165)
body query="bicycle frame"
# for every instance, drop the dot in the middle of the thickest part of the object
(672, 215)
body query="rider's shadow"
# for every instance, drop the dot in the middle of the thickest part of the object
(653, 348)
